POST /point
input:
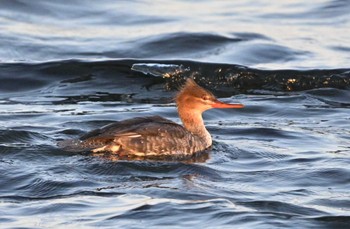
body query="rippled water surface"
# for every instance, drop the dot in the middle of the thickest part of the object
(67, 67)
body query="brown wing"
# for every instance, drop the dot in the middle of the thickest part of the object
(145, 136)
(154, 138)
(124, 127)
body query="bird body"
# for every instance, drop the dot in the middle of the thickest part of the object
(155, 136)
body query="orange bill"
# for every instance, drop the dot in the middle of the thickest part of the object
(219, 104)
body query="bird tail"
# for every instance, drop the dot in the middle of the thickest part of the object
(72, 145)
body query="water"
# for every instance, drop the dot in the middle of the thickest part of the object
(281, 162)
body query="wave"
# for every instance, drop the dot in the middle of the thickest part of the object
(65, 77)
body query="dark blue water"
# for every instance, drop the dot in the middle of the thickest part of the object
(281, 162)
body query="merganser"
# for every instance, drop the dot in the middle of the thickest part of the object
(155, 136)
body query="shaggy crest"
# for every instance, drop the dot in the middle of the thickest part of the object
(192, 89)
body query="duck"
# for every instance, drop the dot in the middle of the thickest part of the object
(155, 136)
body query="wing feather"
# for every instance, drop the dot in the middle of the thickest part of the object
(152, 135)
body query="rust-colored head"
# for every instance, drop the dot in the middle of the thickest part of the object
(194, 97)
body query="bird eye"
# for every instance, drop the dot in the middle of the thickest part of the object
(205, 97)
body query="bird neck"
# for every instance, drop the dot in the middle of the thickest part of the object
(193, 122)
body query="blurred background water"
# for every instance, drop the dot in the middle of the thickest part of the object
(282, 162)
